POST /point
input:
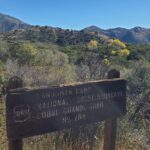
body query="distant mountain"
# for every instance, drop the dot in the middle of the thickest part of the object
(136, 35)
(93, 29)
(8, 23)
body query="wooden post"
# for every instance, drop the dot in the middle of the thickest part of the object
(15, 144)
(111, 124)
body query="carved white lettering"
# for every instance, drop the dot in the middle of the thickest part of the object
(79, 117)
(53, 94)
(21, 113)
(53, 103)
(83, 90)
(98, 105)
(76, 118)
(73, 109)
(47, 114)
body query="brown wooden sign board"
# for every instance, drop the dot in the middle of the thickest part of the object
(39, 111)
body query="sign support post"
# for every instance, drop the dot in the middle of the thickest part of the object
(111, 124)
(15, 144)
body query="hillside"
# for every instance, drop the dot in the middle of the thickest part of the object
(8, 23)
(53, 35)
(136, 35)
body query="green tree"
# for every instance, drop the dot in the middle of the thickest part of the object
(23, 52)
(4, 54)
(2, 73)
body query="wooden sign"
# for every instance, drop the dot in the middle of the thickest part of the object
(38, 111)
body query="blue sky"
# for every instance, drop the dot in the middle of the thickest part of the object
(77, 14)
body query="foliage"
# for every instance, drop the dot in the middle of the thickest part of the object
(23, 52)
(4, 51)
(51, 54)
(124, 52)
(106, 61)
(2, 74)
(140, 79)
(93, 44)
(117, 44)
(138, 52)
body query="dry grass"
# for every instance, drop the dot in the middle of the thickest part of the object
(3, 137)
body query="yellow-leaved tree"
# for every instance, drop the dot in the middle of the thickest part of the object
(116, 43)
(120, 48)
(123, 52)
(93, 44)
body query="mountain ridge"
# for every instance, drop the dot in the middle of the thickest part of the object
(135, 35)
(9, 23)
